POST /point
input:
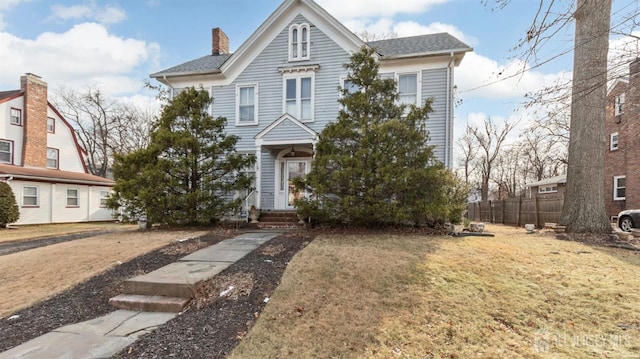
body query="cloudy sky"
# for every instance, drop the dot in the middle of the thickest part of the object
(116, 44)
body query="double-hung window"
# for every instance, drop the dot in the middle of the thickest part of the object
(52, 158)
(30, 196)
(72, 198)
(299, 42)
(298, 100)
(408, 89)
(15, 117)
(6, 151)
(619, 188)
(104, 195)
(619, 105)
(613, 141)
(51, 125)
(247, 113)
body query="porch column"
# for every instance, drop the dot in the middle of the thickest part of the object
(258, 174)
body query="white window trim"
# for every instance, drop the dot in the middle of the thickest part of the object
(418, 84)
(298, 76)
(77, 197)
(614, 145)
(37, 196)
(53, 125)
(104, 195)
(548, 189)
(19, 123)
(255, 105)
(299, 27)
(616, 187)
(618, 105)
(57, 157)
(10, 151)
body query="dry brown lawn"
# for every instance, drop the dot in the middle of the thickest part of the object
(30, 276)
(510, 296)
(20, 233)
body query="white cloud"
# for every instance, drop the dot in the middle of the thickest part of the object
(480, 76)
(85, 54)
(351, 9)
(109, 14)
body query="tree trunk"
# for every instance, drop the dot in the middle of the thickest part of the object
(584, 208)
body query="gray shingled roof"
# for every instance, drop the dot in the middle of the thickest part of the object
(205, 64)
(432, 44)
(419, 45)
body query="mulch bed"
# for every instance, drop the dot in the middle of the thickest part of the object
(209, 328)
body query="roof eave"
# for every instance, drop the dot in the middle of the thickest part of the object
(461, 51)
(56, 180)
(160, 75)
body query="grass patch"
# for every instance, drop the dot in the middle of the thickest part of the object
(513, 295)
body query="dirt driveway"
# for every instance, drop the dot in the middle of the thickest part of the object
(33, 275)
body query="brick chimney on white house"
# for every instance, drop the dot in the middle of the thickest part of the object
(34, 152)
(220, 42)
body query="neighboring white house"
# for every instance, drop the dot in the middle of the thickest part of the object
(41, 160)
(280, 88)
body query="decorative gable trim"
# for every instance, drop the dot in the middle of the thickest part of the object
(285, 117)
(305, 68)
(280, 20)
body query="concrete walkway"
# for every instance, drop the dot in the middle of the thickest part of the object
(105, 336)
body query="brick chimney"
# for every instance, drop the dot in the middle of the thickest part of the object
(220, 42)
(34, 151)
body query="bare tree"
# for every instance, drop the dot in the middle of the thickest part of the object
(490, 139)
(368, 36)
(103, 125)
(469, 149)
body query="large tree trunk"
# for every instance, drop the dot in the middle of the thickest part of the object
(584, 208)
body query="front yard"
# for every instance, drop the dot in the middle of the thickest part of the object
(410, 296)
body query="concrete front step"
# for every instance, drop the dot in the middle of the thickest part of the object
(279, 225)
(179, 279)
(149, 303)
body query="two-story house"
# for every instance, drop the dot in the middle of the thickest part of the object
(622, 154)
(41, 160)
(280, 88)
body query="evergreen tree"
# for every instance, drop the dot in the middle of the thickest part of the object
(373, 165)
(189, 172)
(9, 211)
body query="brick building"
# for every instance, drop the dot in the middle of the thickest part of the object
(42, 162)
(622, 157)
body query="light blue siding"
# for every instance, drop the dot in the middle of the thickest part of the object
(264, 71)
(268, 178)
(287, 131)
(434, 85)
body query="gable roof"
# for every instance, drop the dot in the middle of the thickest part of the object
(50, 175)
(9, 95)
(422, 45)
(287, 119)
(230, 65)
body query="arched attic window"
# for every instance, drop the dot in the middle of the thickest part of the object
(299, 42)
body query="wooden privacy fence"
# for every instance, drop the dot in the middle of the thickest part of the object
(517, 211)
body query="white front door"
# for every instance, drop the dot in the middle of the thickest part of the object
(290, 168)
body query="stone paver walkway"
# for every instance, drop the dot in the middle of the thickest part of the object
(105, 336)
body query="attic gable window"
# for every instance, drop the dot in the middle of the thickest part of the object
(299, 41)
(619, 105)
